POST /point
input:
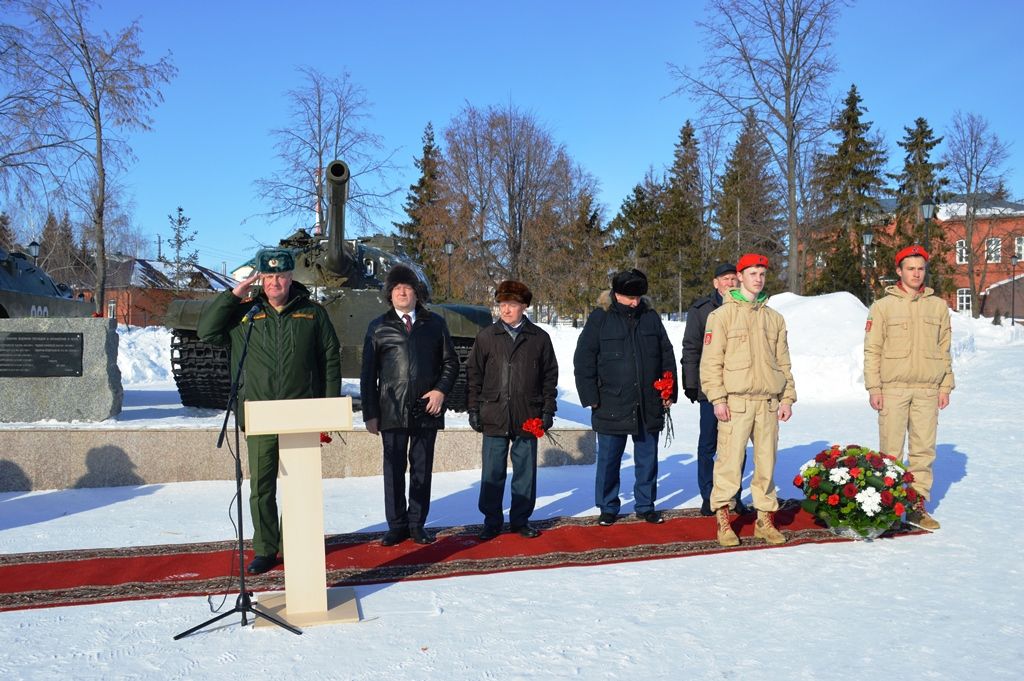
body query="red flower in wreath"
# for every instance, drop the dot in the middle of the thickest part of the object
(849, 490)
(908, 477)
(899, 508)
(815, 481)
(798, 481)
(833, 500)
(911, 494)
(887, 498)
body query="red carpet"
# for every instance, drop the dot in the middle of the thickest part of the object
(33, 580)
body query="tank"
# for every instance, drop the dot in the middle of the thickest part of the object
(347, 277)
(28, 291)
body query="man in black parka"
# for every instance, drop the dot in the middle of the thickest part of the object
(512, 376)
(693, 344)
(409, 365)
(622, 350)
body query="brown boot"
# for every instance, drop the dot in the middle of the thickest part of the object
(919, 517)
(726, 536)
(764, 528)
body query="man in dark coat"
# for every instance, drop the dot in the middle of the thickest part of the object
(512, 376)
(409, 365)
(693, 343)
(293, 354)
(622, 350)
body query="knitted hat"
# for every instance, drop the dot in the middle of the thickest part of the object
(630, 283)
(515, 291)
(751, 260)
(909, 251)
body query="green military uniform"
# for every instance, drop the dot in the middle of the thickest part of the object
(293, 354)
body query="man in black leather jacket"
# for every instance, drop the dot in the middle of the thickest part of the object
(693, 343)
(409, 365)
(511, 376)
(622, 350)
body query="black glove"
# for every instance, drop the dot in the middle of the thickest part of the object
(547, 420)
(691, 394)
(474, 421)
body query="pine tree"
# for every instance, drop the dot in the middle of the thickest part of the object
(57, 248)
(632, 231)
(183, 264)
(748, 209)
(6, 233)
(850, 182)
(921, 181)
(422, 235)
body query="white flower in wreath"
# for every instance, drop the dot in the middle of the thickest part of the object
(810, 464)
(894, 473)
(839, 476)
(870, 500)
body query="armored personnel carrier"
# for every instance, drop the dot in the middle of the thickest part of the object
(28, 291)
(347, 278)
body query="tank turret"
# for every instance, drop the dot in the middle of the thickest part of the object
(344, 275)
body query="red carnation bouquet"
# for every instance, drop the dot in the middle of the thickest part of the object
(665, 385)
(535, 427)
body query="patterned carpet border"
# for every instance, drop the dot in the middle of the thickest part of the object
(402, 564)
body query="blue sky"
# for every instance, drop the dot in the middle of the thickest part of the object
(594, 73)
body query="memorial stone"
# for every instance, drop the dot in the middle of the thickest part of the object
(63, 369)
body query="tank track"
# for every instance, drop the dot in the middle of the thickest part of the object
(201, 371)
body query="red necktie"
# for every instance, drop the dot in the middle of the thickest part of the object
(408, 323)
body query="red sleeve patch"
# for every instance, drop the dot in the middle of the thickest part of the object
(707, 338)
(867, 327)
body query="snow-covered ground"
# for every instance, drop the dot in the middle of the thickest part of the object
(942, 606)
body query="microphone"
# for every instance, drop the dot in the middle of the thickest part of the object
(256, 307)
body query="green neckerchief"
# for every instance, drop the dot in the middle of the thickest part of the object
(739, 297)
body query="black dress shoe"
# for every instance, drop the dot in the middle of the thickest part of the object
(261, 564)
(705, 507)
(525, 530)
(652, 517)
(420, 536)
(606, 519)
(741, 508)
(394, 536)
(489, 533)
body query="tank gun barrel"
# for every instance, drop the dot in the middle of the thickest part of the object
(337, 176)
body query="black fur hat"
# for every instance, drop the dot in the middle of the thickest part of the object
(513, 290)
(401, 274)
(630, 283)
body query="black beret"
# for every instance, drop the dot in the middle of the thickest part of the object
(630, 283)
(725, 268)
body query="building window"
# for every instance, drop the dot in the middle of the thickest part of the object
(819, 261)
(961, 252)
(112, 309)
(993, 249)
(963, 300)
(1018, 247)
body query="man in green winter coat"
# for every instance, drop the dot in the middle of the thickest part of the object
(293, 354)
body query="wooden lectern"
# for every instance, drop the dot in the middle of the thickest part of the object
(298, 424)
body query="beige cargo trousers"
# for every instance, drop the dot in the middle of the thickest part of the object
(753, 418)
(910, 414)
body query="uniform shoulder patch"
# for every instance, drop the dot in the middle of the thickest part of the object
(867, 327)
(707, 338)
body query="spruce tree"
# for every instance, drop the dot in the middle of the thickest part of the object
(748, 210)
(183, 264)
(679, 267)
(422, 235)
(921, 181)
(6, 233)
(850, 182)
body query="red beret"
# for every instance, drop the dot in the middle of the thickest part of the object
(750, 260)
(909, 251)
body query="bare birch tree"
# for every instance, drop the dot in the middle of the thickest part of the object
(100, 87)
(974, 158)
(772, 57)
(327, 121)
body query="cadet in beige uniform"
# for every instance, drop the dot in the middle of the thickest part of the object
(745, 372)
(908, 372)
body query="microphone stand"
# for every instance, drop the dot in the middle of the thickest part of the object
(243, 604)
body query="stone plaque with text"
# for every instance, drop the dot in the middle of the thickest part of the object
(33, 354)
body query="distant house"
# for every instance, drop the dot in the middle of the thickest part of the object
(138, 290)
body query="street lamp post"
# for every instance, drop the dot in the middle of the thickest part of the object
(33, 250)
(869, 236)
(449, 248)
(927, 211)
(1013, 290)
